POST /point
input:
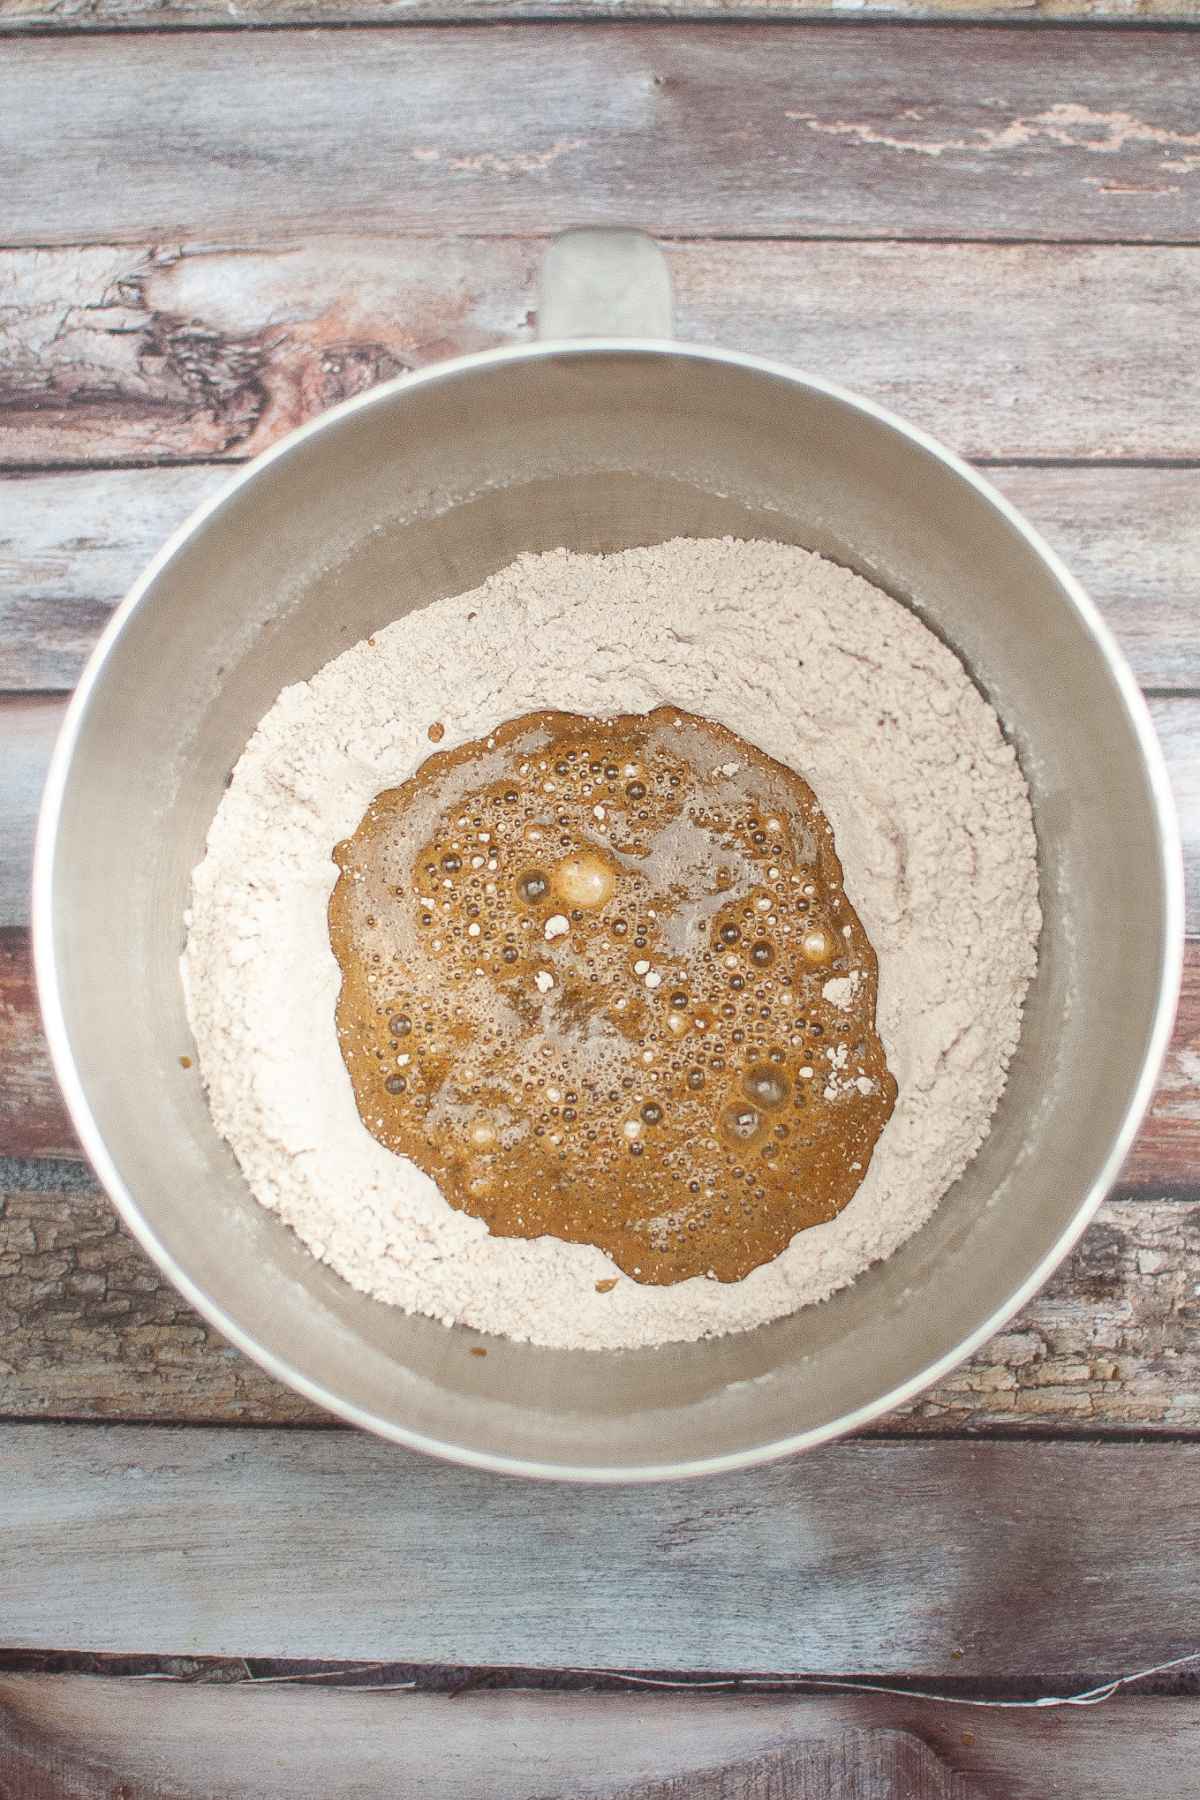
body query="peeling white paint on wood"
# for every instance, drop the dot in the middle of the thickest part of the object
(1004, 350)
(81, 15)
(1065, 123)
(684, 128)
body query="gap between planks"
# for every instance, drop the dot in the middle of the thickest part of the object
(167, 18)
(938, 240)
(92, 17)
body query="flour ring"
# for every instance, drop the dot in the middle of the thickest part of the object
(814, 665)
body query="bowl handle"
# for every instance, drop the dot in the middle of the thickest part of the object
(603, 282)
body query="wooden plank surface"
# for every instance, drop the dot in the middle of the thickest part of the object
(71, 542)
(846, 1764)
(51, 16)
(775, 131)
(33, 1119)
(28, 728)
(1014, 1561)
(151, 353)
(984, 1561)
(28, 724)
(1167, 1148)
(257, 1742)
(90, 1330)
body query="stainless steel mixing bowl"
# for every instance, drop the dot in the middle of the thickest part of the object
(422, 488)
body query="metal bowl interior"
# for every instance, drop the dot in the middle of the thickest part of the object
(419, 490)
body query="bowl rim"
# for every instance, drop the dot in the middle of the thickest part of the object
(79, 1108)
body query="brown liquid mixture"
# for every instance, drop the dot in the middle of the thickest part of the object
(584, 969)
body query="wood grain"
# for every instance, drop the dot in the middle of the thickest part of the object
(1167, 1148)
(70, 545)
(987, 1561)
(1177, 722)
(1133, 538)
(33, 1119)
(1109, 1344)
(255, 1742)
(29, 724)
(775, 131)
(846, 1765)
(84, 15)
(28, 728)
(873, 1765)
(90, 1330)
(152, 353)
(72, 542)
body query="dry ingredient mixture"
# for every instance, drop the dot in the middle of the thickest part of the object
(600, 979)
(812, 666)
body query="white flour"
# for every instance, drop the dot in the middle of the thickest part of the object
(817, 667)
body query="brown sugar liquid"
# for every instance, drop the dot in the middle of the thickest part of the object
(584, 966)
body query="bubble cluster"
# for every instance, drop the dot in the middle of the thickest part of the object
(601, 980)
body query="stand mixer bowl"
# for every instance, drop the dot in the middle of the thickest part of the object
(422, 488)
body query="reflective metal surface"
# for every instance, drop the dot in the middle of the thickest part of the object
(422, 488)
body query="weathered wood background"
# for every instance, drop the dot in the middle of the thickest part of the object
(876, 131)
(595, 1747)
(217, 219)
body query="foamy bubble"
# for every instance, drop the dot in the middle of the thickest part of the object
(553, 1097)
